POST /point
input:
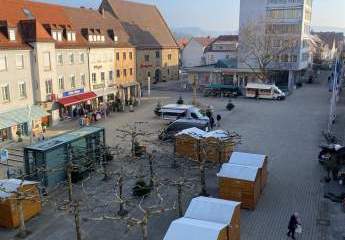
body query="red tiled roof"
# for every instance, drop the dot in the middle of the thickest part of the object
(182, 42)
(144, 24)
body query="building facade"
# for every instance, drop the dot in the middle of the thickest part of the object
(157, 53)
(278, 21)
(55, 60)
(193, 53)
(223, 47)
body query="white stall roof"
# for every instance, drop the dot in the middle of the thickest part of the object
(193, 132)
(218, 134)
(247, 159)
(191, 229)
(10, 186)
(211, 209)
(240, 172)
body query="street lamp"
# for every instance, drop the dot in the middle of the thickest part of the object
(149, 86)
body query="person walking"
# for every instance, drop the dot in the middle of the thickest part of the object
(211, 122)
(293, 225)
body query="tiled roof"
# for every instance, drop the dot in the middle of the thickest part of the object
(222, 38)
(33, 20)
(330, 37)
(144, 24)
(204, 41)
(182, 42)
(80, 18)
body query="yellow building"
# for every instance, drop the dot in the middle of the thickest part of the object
(157, 53)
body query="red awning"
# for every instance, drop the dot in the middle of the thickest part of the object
(71, 100)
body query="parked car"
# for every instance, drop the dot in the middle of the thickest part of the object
(264, 91)
(179, 125)
(172, 112)
(222, 90)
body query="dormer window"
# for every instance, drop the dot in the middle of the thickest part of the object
(116, 39)
(98, 38)
(90, 38)
(102, 38)
(57, 35)
(12, 34)
(71, 36)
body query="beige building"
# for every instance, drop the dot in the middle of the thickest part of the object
(156, 49)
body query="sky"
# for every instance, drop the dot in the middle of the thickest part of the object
(221, 15)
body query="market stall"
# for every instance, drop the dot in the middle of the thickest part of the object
(240, 183)
(187, 143)
(254, 160)
(10, 190)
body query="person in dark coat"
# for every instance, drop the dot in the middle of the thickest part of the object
(293, 225)
(211, 122)
(218, 120)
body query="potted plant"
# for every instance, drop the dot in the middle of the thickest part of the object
(141, 189)
(230, 105)
(157, 108)
(180, 101)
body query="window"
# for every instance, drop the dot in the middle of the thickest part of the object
(90, 38)
(124, 56)
(82, 58)
(130, 55)
(111, 75)
(94, 78)
(54, 35)
(49, 86)
(102, 76)
(169, 56)
(117, 56)
(3, 63)
(131, 71)
(168, 71)
(147, 58)
(71, 36)
(20, 61)
(59, 59)
(118, 73)
(22, 89)
(73, 81)
(125, 72)
(5, 91)
(102, 38)
(293, 58)
(83, 79)
(46, 61)
(61, 83)
(158, 54)
(71, 58)
(59, 36)
(12, 34)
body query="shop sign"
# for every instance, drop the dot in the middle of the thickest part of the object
(3, 155)
(73, 92)
(146, 65)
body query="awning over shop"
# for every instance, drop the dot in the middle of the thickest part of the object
(21, 115)
(72, 100)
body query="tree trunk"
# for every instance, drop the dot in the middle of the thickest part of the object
(203, 180)
(144, 227)
(69, 179)
(179, 199)
(122, 211)
(194, 101)
(77, 220)
(22, 229)
(151, 170)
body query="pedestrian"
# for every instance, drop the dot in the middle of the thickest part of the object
(294, 223)
(211, 122)
(218, 120)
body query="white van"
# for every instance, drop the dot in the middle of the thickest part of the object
(172, 112)
(264, 91)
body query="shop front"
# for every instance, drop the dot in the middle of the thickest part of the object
(130, 91)
(18, 122)
(75, 103)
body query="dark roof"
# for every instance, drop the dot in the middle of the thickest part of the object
(144, 24)
(222, 38)
(330, 37)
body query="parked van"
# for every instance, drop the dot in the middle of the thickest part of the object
(264, 91)
(172, 112)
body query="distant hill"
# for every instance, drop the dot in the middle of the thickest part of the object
(189, 32)
(327, 29)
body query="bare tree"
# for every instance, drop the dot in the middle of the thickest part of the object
(263, 46)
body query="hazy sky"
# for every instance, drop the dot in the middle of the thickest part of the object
(221, 15)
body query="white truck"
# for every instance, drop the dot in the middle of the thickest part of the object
(264, 91)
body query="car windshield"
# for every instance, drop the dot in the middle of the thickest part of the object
(198, 113)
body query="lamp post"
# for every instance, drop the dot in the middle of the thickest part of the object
(149, 86)
(30, 123)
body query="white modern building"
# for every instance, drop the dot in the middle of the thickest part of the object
(193, 53)
(283, 20)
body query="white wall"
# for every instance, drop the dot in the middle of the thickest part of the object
(13, 76)
(214, 57)
(192, 54)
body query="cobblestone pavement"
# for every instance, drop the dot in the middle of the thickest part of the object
(289, 132)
